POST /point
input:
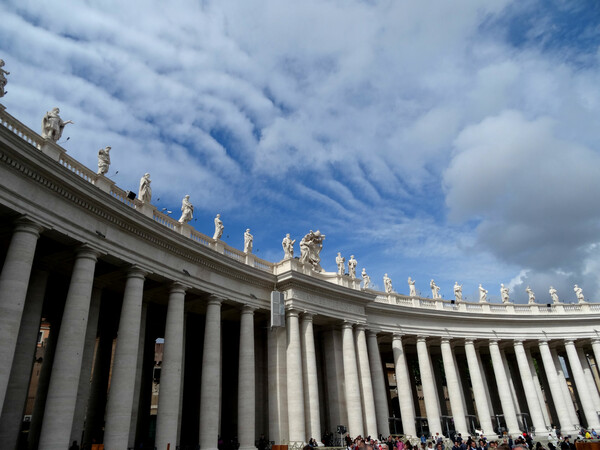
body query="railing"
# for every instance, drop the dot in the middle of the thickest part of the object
(235, 254)
(121, 195)
(25, 133)
(202, 238)
(77, 168)
(263, 265)
(165, 220)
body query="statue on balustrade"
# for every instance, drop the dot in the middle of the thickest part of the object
(352, 266)
(387, 284)
(103, 160)
(3, 79)
(340, 262)
(457, 291)
(435, 290)
(366, 279)
(579, 294)
(53, 125)
(145, 192)
(248, 240)
(504, 294)
(412, 290)
(530, 294)
(310, 249)
(288, 246)
(187, 210)
(218, 227)
(554, 295)
(482, 294)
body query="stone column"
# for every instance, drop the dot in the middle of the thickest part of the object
(381, 398)
(20, 374)
(211, 376)
(596, 349)
(587, 402)
(295, 394)
(309, 375)
(429, 390)
(277, 385)
(352, 385)
(407, 408)
(483, 408)
(587, 371)
(566, 392)
(119, 406)
(364, 371)
(508, 407)
(86, 367)
(167, 420)
(246, 382)
(533, 404)
(64, 381)
(14, 281)
(454, 389)
(538, 387)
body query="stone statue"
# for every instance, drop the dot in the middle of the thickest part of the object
(352, 266)
(482, 294)
(530, 294)
(387, 283)
(248, 240)
(504, 294)
(53, 125)
(366, 279)
(145, 192)
(187, 210)
(103, 160)
(435, 290)
(3, 79)
(412, 290)
(457, 292)
(340, 262)
(554, 295)
(218, 227)
(310, 249)
(579, 294)
(288, 246)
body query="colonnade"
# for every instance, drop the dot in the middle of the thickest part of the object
(321, 371)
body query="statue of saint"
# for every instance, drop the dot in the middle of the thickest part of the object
(482, 294)
(103, 160)
(504, 294)
(579, 294)
(248, 239)
(352, 266)
(310, 249)
(435, 290)
(530, 294)
(3, 79)
(145, 192)
(53, 125)
(187, 210)
(457, 292)
(412, 290)
(387, 283)
(218, 227)
(340, 262)
(288, 246)
(366, 279)
(554, 295)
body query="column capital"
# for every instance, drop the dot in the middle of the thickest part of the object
(421, 338)
(569, 342)
(307, 316)
(493, 341)
(371, 332)
(446, 340)
(360, 327)
(518, 342)
(397, 336)
(25, 224)
(86, 251)
(290, 312)
(248, 309)
(346, 324)
(215, 300)
(543, 342)
(135, 271)
(469, 341)
(177, 288)
(595, 341)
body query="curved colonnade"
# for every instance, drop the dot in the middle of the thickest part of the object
(110, 275)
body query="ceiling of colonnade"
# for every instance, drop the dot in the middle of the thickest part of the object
(460, 150)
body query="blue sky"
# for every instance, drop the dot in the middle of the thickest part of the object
(448, 140)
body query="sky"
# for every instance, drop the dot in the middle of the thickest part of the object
(455, 141)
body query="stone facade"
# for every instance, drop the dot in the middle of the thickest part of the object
(109, 275)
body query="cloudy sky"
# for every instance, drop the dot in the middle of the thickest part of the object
(450, 140)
